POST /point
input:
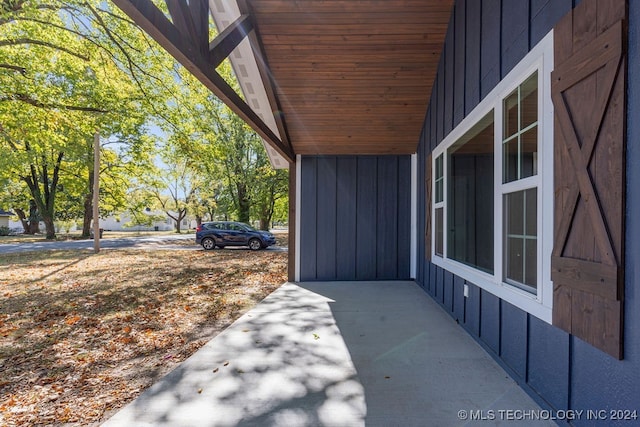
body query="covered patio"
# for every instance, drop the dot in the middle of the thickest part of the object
(337, 354)
(364, 101)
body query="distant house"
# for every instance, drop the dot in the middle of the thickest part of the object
(4, 218)
(123, 222)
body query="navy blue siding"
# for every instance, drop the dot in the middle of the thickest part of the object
(342, 198)
(439, 83)
(308, 185)
(548, 350)
(544, 15)
(472, 57)
(431, 141)
(449, 76)
(366, 218)
(490, 320)
(440, 285)
(458, 299)
(433, 279)
(513, 340)
(472, 310)
(387, 243)
(403, 207)
(515, 33)
(559, 370)
(346, 211)
(447, 297)
(489, 46)
(421, 201)
(459, 62)
(326, 219)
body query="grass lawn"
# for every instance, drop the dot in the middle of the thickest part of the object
(81, 334)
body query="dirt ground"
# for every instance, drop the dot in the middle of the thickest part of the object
(82, 334)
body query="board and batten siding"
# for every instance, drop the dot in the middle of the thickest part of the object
(356, 216)
(558, 369)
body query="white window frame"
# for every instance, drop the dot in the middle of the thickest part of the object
(540, 58)
(439, 205)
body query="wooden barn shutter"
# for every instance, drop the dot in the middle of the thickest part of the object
(428, 206)
(588, 92)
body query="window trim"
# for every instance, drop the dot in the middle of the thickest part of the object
(540, 58)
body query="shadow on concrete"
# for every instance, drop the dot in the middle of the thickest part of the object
(332, 354)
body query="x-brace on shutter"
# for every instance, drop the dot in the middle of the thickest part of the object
(588, 92)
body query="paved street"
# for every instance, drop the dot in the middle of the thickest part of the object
(175, 242)
(122, 242)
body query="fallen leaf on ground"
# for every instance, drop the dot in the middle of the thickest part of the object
(101, 328)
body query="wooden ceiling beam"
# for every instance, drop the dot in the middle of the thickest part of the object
(266, 75)
(181, 47)
(222, 46)
(200, 14)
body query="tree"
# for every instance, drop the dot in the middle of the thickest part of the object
(14, 197)
(175, 187)
(271, 186)
(140, 205)
(226, 151)
(67, 69)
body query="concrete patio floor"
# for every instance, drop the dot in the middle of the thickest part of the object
(335, 354)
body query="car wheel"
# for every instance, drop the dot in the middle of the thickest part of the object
(255, 244)
(208, 243)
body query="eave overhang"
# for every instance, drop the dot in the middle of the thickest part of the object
(320, 77)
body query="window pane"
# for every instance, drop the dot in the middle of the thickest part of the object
(521, 240)
(514, 265)
(531, 225)
(531, 260)
(439, 192)
(529, 153)
(514, 205)
(439, 179)
(520, 139)
(529, 101)
(470, 197)
(511, 125)
(510, 160)
(439, 232)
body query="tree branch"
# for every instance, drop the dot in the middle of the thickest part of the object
(31, 101)
(8, 138)
(16, 42)
(21, 70)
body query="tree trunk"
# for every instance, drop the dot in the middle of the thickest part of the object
(49, 227)
(34, 218)
(266, 211)
(88, 215)
(244, 203)
(198, 220)
(88, 206)
(23, 220)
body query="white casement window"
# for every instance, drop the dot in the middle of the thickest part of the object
(493, 189)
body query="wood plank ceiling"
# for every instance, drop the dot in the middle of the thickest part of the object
(351, 76)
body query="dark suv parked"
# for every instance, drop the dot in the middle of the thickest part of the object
(227, 233)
